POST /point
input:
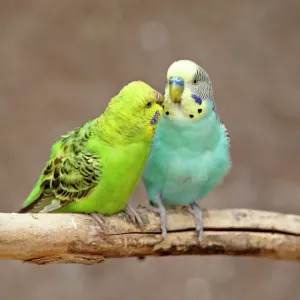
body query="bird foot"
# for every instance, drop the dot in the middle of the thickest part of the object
(151, 208)
(98, 218)
(133, 215)
(163, 216)
(196, 211)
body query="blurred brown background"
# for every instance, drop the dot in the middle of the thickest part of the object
(61, 61)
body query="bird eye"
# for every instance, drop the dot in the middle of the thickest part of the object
(148, 105)
(195, 81)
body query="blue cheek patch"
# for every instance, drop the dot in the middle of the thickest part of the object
(197, 99)
(155, 118)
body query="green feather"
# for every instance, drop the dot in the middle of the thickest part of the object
(96, 167)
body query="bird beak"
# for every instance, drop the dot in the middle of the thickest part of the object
(176, 86)
(159, 98)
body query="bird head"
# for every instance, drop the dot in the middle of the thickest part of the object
(188, 91)
(136, 111)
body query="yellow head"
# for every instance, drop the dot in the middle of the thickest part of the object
(188, 92)
(134, 113)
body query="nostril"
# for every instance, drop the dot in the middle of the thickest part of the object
(179, 81)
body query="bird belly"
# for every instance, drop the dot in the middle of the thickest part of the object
(189, 179)
(121, 173)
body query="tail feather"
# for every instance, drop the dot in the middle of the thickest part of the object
(24, 210)
(41, 206)
(31, 208)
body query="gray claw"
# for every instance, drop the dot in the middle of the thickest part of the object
(163, 228)
(162, 213)
(133, 215)
(196, 211)
(151, 208)
(98, 218)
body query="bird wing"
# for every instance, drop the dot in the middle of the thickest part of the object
(69, 176)
(227, 135)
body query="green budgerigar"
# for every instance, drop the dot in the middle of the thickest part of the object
(95, 168)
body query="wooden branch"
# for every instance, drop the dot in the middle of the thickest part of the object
(77, 238)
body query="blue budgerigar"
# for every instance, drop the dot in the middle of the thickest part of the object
(190, 153)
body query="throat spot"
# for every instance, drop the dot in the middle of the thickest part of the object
(197, 99)
(155, 118)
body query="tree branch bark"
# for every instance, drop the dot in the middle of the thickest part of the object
(77, 238)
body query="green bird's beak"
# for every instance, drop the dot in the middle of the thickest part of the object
(176, 86)
(159, 98)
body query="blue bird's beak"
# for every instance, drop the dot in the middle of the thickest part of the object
(176, 86)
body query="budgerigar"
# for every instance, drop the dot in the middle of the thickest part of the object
(190, 152)
(95, 168)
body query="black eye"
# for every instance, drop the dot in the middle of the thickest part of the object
(148, 105)
(195, 81)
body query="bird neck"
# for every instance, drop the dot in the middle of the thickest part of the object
(204, 133)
